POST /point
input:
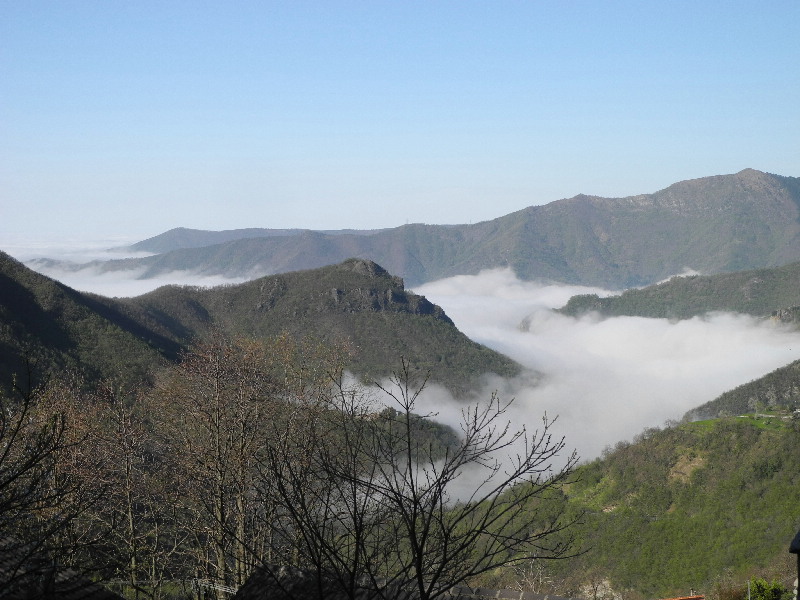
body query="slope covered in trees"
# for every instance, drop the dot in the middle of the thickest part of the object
(52, 326)
(779, 389)
(759, 292)
(700, 506)
(356, 302)
(714, 224)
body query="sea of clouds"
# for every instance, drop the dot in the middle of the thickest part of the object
(605, 380)
(75, 266)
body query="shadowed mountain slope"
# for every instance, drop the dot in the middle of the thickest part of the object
(714, 224)
(55, 328)
(357, 301)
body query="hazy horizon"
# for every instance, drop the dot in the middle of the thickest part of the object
(116, 116)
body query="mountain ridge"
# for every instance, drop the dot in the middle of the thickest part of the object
(716, 224)
(771, 292)
(184, 237)
(356, 301)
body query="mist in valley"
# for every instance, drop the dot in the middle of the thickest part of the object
(605, 380)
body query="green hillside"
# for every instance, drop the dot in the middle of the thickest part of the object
(760, 292)
(688, 507)
(779, 389)
(716, 224)
(357, 302)
(54, 328)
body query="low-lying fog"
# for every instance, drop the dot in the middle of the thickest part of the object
(606, 380)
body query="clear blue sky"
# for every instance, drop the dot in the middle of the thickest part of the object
(130, 118)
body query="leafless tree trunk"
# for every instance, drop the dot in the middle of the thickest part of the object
(48, 483)
(446, 541)
(372, 507)
(219, 411)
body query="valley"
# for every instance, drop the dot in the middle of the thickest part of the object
(622, 375)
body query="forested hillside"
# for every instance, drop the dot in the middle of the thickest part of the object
(713, 224)
(54, 328)
(759, 292)
(777, 390)
(698, 506)
(356, 301)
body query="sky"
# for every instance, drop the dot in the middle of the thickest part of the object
(121, 120)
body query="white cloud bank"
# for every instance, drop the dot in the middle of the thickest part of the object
(608, 379)
(125, 284)
(78, 274)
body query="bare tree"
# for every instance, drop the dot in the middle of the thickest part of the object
(47, 486)
(333, 524)
(508, 517)
(374, 507)
(284, 463)
(218, 412)
(140, 516)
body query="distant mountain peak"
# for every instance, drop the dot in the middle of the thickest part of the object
(751, 173)
(364, 266)
(714, 224)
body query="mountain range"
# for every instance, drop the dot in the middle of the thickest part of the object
(55, 328)
(716, 224)
(677, 508)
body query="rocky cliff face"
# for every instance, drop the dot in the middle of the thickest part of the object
(359, 285)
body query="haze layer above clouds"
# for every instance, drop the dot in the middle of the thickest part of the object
(78, 274)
